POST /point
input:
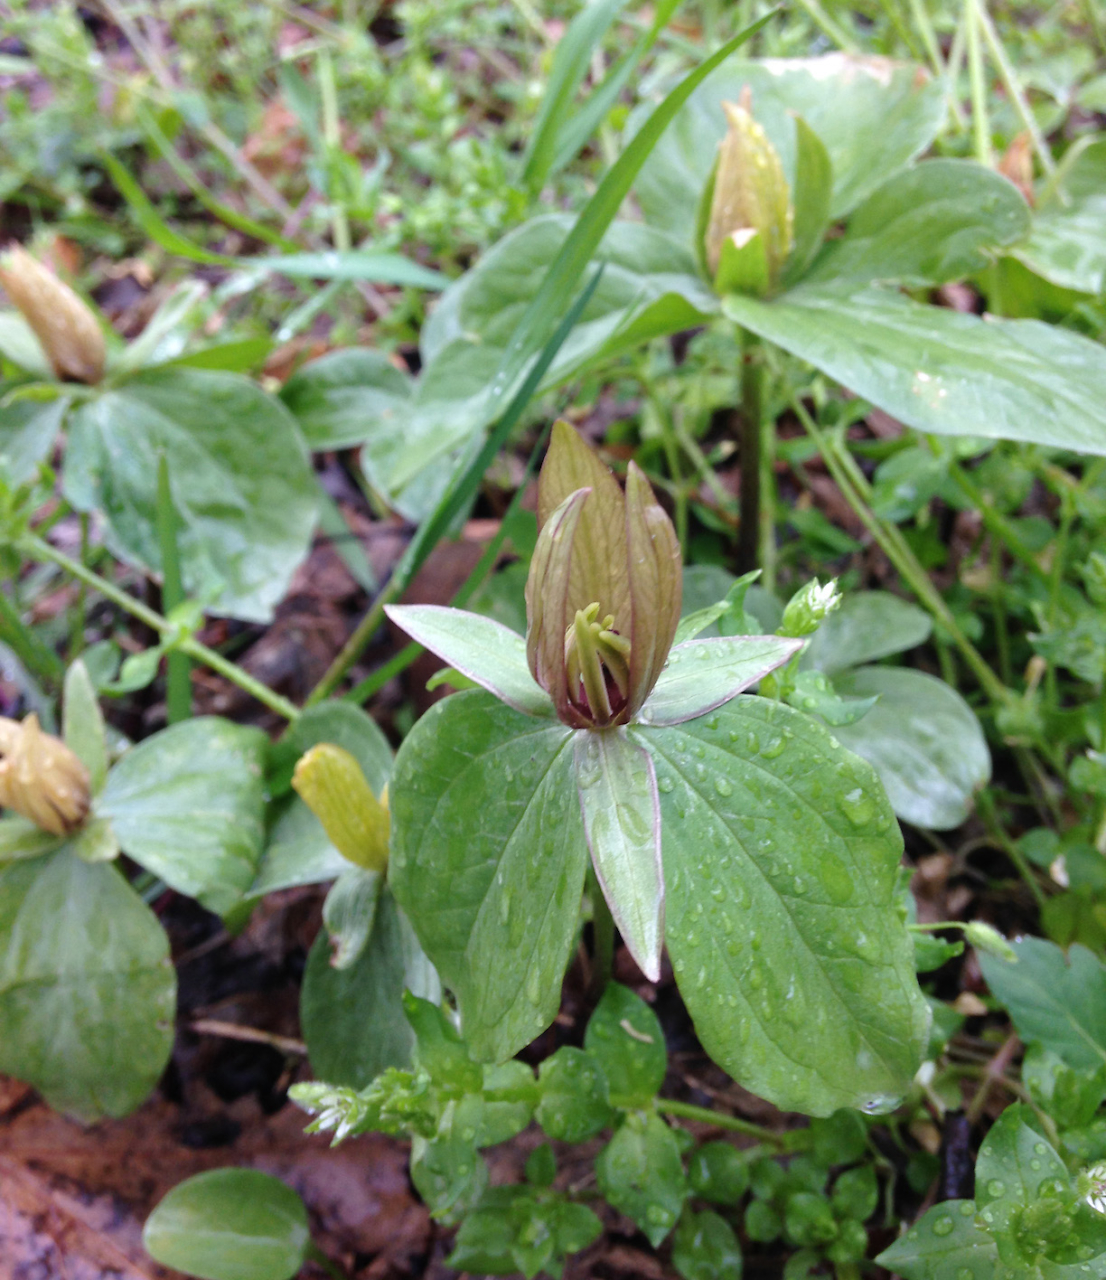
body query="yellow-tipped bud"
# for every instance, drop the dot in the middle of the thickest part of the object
(750, 209)
(41, 778)
(330, 782)
(62, 322)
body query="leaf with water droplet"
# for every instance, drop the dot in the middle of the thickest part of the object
(945, 1242)
(618, 797)
(805, 920)
(465, 840)
(641, 1174)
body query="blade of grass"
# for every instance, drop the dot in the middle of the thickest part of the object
(531, 335)
(570, 65)
(39, 660)
(356, 264)
(333, 526)
(178, 667)
(184, 171)
(451, 504)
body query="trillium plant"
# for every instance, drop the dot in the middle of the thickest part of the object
(734, 830)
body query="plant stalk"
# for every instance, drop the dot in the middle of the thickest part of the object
(37, 548)
(688, 1111)
(178, 667)
(749, 439)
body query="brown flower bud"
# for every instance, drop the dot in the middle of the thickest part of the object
(62, 322)
(41, 778)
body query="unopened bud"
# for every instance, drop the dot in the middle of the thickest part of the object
(986, 938)
(809, 607)
(41, 778)
(751, 215)
(62, 322)
(330, 782)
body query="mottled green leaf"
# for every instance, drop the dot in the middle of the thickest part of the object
(781, 855)
(924, 741)
(350, 397)
(704, 673)
(488, 859)
(640, 1173)
(941, 370)
(1067, 245)
(87, 991)
(867, 626)
(230, 1224)
(188, 804)
(942, 220)
(28, 429)
(352, 1018)
(240, 473)
(947, 1241)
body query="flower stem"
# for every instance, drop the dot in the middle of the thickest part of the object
(688, 1111)
(38, 549)
(749, 439)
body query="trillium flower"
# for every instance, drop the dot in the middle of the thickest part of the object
(605, 649)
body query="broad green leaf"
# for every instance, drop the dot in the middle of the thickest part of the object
(21, 838)
(87, 991)
(486, 651)
(230, 1224)
(571, 61)
(83, 724)
(297, 850)
(625, 1038)
(241, 482)
(718, 1174)
(188, 804)
(781, 855)
(1067, 245)
(574, 1099)
(812, 193)
(1058, 1000)
(923, 740)
(705, 584)
(622, 821)
(703, 674)
(874, 116)
(352, 1018)
(488, 860)
(940, 370)
(650, 286)
(349, 397)
(812, 692)
(20, 345)
(349, 913)
(28, 430)
(641, 1174)
(942, 220)
(447, 1170)
(514, 1229)
(705, 1248)
(1016, 1167)
(867, 625)
(949, 1240)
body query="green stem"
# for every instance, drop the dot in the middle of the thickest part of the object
(1002, 629)
(981, 120)
(37, 549)
(844, 471)
(688, 1111)
(749, 437)
(929, 37)
(1013, 86)
(829, 27)
(314, 1254)
(80, 611)
(178, 668)
(985, 805)
(766, 532)
(332, 136)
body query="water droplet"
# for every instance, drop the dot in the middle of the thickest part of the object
(943, 1227)
(665, 784)
(723, 787)
(996, 1188)
(857, 807)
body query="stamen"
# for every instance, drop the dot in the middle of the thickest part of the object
(597, 661)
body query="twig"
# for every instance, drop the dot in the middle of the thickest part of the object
(253, 1035)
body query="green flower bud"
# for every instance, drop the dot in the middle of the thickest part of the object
(986, 938)
(750, 228)
(330, 782)
(809, 607)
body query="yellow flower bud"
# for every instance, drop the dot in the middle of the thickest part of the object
(62, 322)
(41, 778)
(330, 782)
(751, 201)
